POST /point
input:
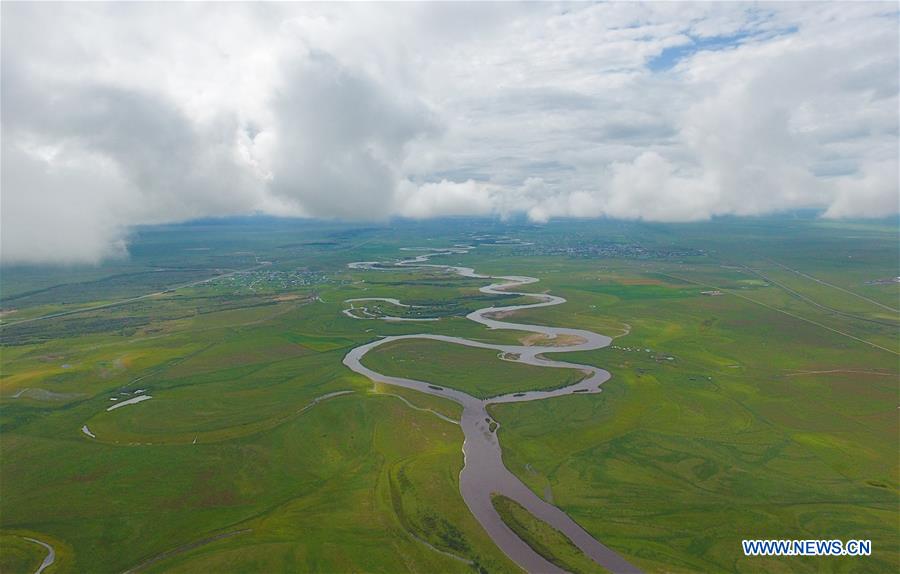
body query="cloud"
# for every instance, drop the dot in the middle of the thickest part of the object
(83, 163)
(870, 193)
(444, 198)
(340, 138)
(53, 222)
(116, 115)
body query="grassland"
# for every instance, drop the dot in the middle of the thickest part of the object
(543, 538)
(741, 421)
(479, 372)
(769, 411)
(19, 553)
(232, 465)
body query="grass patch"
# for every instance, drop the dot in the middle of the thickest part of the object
(547, 541)
(479, 372)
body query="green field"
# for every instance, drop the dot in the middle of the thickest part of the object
(479, 372)
(740, 435)
(546, 540)
(766, 411)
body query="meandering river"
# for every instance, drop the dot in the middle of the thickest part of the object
(483, 472)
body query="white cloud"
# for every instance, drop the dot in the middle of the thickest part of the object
(870, 193)
(340, 138)
(444, 198)
(115, 115)
(53, 221)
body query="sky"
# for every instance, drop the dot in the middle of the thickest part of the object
(119, 115)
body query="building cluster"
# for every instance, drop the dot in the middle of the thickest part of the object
(600, 250)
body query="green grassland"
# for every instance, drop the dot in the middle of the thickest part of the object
(479, 372)
(19, 553)
(769, 411)
(445, 407)
(543, 538)
(739, 422)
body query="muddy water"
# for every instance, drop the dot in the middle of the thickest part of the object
(484, 472)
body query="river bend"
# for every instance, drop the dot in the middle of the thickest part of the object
(483, 472)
